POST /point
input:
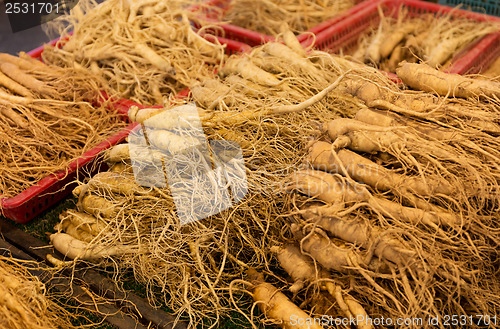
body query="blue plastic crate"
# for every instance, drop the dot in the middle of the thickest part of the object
(490, 7)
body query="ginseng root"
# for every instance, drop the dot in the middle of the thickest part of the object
(425, 78)
(275, 305)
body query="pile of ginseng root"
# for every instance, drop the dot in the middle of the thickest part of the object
(267, 16)
(25, 301)
(189, 267)
(144, 50)
(46, 120)
(395, 213)
(425, 38)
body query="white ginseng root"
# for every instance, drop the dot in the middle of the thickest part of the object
(302, 270)
(275, 305)
(77, 249)
(333, 190)
(360, 233)
(334, 254)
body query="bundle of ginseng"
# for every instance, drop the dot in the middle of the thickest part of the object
(144, 50)
(46, 120)
(24, 300)
(263, 118)
(434, 40)
(424, 249)
(405, 198)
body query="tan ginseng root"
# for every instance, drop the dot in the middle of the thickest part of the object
(57, 134)
(83, 234)
(432, 263)
(448, 35)
(397, 56)
(15, 87)
(243, 81)
(25, 301)
(195, 261)
(290, 40)
(399, 218)
(80, 225)
(423, 37)
(334, 254)
(455, 156)
(359, 233)
(424, 77)
(384, 46)
(121, 167)
(437, 158)
(371, 53)
(277, 72)
(384, 118)
(471, 116)
(276, 306)
(462, 144)
(466, 128)
(479, 150)
(75, 248)
(410, 206)
(144, 50)
(28, 77)
(26, 80)
(454, 257)
(473, 141)
(334, 189)
(338, 193)
(338, 256)
(194, 264)
(24, 62)
(390, 47)
(303, 271)
(115, 182)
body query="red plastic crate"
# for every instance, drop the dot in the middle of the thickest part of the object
(213, 10)
(479, 57)
(232, 46)
(307, 37)
(344, 32)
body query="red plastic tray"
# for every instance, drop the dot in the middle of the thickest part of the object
(307, 37)
(479, 57)
(344, 32)
(213, 10)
